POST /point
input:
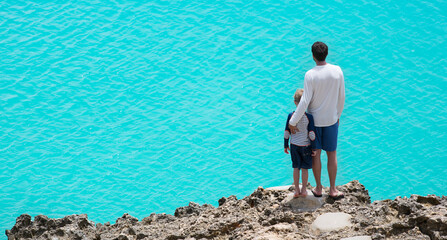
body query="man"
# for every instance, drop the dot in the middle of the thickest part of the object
(324, 97)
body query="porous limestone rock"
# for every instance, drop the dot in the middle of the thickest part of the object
(357, 238)
(264, 214)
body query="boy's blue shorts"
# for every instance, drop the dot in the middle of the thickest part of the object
(301, 156)
(326, 137)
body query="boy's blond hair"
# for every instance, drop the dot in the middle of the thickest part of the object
(298, 94)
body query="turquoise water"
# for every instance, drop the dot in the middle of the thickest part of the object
(120, 106)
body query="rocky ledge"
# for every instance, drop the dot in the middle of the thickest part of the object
(265, 214)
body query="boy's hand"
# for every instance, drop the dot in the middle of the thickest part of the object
(314, 153)
(286, 150)
(293, 129)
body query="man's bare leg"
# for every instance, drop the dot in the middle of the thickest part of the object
(332, 170)
(316, 169)
(296, 181)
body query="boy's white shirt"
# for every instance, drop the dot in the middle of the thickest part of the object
(324, 95)
(300, 138)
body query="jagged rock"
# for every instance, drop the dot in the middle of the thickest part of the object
(222, 201)
(269, 213)
(126, 220)
(430, 199)
(191, 209)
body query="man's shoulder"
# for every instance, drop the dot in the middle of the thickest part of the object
(318, 68)
(310, 71)
(335, 67)
(308, 75)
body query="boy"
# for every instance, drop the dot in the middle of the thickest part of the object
(301, 148)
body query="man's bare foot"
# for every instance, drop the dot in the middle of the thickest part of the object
(317, 193)
(303, 191)
(336, 195)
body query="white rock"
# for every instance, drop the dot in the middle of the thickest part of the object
(332, 221)
(357, 238)
(302, 204)
(279, 188)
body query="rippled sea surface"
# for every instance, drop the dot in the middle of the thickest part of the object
(109, 107)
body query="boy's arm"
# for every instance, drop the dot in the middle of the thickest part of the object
(311, 130)
(287, 134)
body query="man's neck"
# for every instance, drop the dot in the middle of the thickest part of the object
(320, 63)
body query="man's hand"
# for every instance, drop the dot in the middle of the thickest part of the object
(286, 150)
(293, 129)
(314, 153)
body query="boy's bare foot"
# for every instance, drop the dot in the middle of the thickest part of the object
(296, 194)
(303, 191)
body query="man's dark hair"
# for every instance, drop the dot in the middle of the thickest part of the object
(319, 50)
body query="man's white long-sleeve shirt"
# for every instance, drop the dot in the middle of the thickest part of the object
(324, 95)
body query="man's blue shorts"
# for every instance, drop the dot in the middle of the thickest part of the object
(301, 156)
(326, 137)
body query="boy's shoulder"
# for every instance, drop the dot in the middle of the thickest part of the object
(308, 115)
(310, 118)
(289, 116)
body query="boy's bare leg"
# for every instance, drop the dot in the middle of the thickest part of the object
(332, 170)
(316, 169)
(304, 177)
(296, 181)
